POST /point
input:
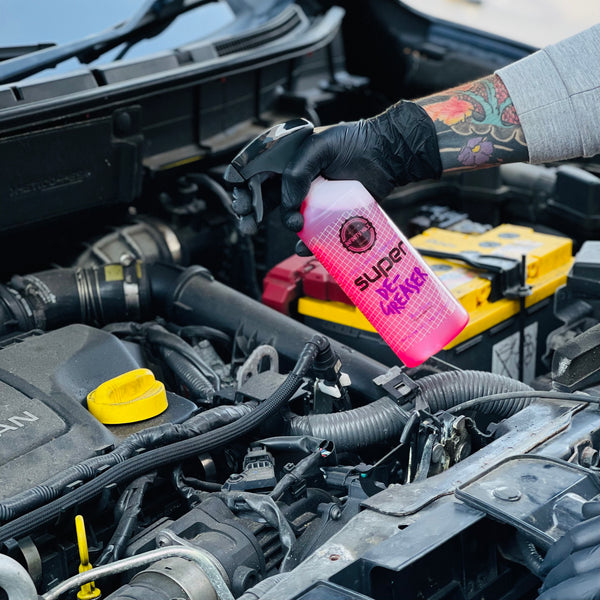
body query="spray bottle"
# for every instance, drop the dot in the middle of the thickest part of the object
(361, 248)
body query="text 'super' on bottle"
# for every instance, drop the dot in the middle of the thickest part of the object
(378, 269)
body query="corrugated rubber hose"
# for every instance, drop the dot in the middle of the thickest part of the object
(383, 420)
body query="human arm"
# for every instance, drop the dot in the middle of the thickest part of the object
(476, 125)
(542, 108)
(470, 126)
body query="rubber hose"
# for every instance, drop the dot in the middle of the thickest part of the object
(59, 297)
(190, 494)
(303, 468)
(148, 239)
(156, 334)
(383, 420)
(216, 188)
(445, 390)
(166, 455)
(352, 429)
(95, 295)
(193, 297)
(127, 512)
(198, 385)
(15, 580)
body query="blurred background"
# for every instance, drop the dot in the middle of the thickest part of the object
(534, 22)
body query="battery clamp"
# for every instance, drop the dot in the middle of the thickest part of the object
(506, 275)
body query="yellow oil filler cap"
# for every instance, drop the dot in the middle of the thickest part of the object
(128, 398)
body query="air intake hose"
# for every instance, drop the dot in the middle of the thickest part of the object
(133, 291)
(96, 295)
(353, 429)
(445, 390)
(192, 296)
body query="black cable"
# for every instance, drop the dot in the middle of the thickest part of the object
(545, 395)
(191, 495)
(216, 188)
(203, 486)
(129, 506)
(144, 440)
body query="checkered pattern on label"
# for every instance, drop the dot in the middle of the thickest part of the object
(425, 311)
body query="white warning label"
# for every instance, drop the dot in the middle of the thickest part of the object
(505, 354)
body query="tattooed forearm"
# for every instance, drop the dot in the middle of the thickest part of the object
(477, 125)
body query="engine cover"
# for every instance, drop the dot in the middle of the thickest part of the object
(44, 380)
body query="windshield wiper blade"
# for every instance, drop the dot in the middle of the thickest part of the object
(144, 23)
(7, 52)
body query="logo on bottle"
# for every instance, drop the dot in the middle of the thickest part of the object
(357, 234)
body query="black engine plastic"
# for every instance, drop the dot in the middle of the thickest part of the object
(44, 380)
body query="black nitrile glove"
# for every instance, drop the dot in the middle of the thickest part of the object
(571, 568)
(393, 148)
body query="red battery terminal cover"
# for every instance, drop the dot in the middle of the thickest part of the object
(298, 276)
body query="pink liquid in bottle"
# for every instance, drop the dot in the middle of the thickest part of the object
(383, 275)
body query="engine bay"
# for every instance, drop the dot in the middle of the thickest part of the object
(190, 412)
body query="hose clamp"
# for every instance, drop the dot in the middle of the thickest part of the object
(131, 287)
(171, 240)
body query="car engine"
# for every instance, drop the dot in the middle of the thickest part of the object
(188, 412)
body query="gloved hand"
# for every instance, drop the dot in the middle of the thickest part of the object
(572, 565)
(393, 148)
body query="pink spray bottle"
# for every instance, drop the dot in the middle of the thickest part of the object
(362, 249)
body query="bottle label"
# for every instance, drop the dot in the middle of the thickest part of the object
(384, 276)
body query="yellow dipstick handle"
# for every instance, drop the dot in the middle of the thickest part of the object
(88, 591)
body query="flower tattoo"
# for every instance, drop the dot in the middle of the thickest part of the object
(450, 111)
(476, 124)
(476, 151)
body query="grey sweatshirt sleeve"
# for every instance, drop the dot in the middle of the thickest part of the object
(556, 93)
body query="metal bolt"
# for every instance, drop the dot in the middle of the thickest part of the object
(460, 424)
(335, 513)
(589, 457)
(334, 557)
(126, 259)
(438, 453)
(235, 477)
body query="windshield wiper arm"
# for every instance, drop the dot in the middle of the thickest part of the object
(7, 52)
(152, 14)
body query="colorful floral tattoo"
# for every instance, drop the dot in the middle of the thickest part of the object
(477, 125)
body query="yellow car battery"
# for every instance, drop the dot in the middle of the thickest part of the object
(484, 271)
